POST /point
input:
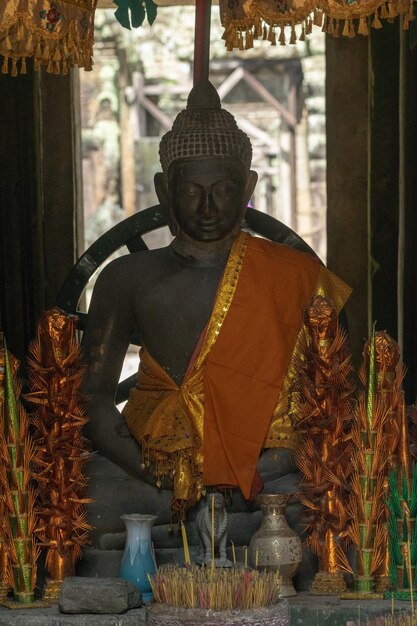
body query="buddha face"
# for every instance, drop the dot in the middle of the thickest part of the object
(208, 197)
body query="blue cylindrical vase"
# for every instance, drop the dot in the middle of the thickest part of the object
(138, 557)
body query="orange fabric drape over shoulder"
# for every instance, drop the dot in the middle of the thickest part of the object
(247, 365)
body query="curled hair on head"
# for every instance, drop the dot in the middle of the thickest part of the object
(204, 129)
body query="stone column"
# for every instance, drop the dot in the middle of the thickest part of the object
(347, 176)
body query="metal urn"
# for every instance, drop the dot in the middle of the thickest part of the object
(275, 545)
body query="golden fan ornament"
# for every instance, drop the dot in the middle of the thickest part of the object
(55, 376)
(19, 520)
(323, 418)
(381, 443)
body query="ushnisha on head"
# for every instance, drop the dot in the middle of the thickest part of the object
(206, 181)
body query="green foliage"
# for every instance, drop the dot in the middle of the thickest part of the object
(413, 501)
(133, 12)
(401, 519)
(394, 503)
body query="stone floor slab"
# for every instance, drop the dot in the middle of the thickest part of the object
(305, 610)
(52, 617)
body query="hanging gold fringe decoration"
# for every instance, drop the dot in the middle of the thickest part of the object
(55, 375)
(323, 418)
(381, 443)
(56, 33)
(256, 17)
(17, 452)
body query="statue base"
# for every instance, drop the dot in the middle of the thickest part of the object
(325, 584)
(52, 589)
(163, 615)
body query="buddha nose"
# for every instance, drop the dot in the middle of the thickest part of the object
(208, 205)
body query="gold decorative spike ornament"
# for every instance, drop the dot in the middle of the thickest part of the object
(17, 452)
(55, 375)
(323, 418)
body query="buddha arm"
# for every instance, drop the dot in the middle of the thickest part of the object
(105, 342)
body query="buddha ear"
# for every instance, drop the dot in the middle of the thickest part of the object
(251, 181)
(164, 197)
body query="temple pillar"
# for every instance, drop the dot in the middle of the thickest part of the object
(347, 166)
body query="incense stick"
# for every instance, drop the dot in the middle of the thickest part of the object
(233, 552)
(187, 559)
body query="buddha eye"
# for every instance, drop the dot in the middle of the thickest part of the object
(189, 189)
(225, 188)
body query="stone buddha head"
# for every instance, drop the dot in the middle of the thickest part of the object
(206, 181)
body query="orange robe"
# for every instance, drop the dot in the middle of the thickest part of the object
(234, 400)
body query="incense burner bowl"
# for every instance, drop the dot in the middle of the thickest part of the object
(163, 615)
(275, 545)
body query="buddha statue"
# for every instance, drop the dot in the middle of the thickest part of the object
(219, 313)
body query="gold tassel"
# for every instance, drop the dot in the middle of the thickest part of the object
(318, 18)
(330, 26)
(264, 33)
(351, 29)
(20, 33)
(302, 37)
(376, 23)
(293, 38)
(282, 36)
(309, 26)
(23, 66)
(14, 66)
(271, 36)
(57, 67)
(258, 28)
(406, 23)
(36, 64)
(384, 12)
(46, 53)
(71, 44)
(363, 26)
(5, 68)
(64, 68)
(346, 29)
(57, 54)
(50, 68)
(325, 27)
